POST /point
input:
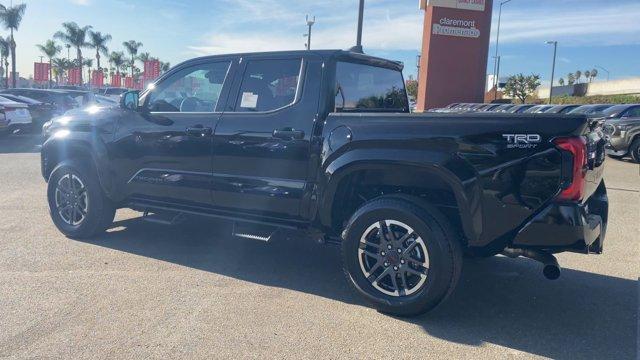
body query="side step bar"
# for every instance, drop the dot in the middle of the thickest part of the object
(254, 232)
(163, 218)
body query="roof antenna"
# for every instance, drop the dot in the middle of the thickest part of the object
(358, 47)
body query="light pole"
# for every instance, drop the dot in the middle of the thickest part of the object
(496, 79)
(605, 70)
(310, 23)
(496, 57)
(418, 58)
(358, 47)
(553, 67)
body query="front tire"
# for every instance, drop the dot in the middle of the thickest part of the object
(403, 256)
(634, 150)
(77, 204)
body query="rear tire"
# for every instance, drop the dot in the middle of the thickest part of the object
(77, 204)
(634, 150)
(387, 271)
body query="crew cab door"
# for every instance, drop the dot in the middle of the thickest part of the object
(262, 141)
(166, 153)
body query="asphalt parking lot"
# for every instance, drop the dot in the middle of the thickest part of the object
(151, 291)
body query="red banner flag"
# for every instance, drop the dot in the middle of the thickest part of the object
(116, 80)
(151, 69)
(128, 82)
(74, 76)
(97, 78)
(40, 72)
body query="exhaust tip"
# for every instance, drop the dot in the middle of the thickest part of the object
(551, 272)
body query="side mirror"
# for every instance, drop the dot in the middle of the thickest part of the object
(130, 100)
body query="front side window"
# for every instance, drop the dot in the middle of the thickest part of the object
(364, 87)
(193, 89)
(268, 85)
(633, 112)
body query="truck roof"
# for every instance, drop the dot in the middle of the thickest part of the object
(326, 54)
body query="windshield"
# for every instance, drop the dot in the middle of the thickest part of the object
(614, 111)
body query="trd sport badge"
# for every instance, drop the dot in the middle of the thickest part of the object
(522, 141)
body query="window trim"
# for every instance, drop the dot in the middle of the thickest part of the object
(296, 98)
(224, 82)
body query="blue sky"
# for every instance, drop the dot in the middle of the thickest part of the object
(589, 32)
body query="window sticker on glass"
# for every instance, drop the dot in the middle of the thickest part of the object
(249, 100)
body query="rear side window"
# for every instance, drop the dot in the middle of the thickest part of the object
(268, 85)
(364, 87)
(115, 91)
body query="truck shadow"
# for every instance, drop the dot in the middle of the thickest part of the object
(501, 301)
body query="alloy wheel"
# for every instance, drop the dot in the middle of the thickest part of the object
(393, 258)
(72, 200)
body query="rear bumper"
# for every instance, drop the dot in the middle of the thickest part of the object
(576, 227)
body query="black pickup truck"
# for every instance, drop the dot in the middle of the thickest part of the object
(322, 143)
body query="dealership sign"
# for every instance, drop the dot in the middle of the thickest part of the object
(456, 27)
(475, 5)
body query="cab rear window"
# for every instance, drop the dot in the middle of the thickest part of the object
(362, 87)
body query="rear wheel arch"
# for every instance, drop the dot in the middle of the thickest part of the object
(353, 186)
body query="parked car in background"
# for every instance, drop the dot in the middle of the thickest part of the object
(519, 109)
(623, 137)
(538, 109)
(590, 109)
(113, 92)
(60, 99)
(70, 87)
(40, 112)
(503, 108)
(17, 115)
(620, 112)
(561, 109)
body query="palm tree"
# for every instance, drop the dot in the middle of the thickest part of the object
(116, 58)
(594, 73)
(561, 82)
(571, 79)
(132, 48)
(4, 58)
(75, 36)
(145, 56)
(89, 64)
(60, 65)
(99, 41)
(11, 18)
(50, 49)
(164, 66)
(578, 75)
(587, 75)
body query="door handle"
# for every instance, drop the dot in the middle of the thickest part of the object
(199, 131)
(288, 134)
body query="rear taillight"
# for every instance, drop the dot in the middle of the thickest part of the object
(577, 148)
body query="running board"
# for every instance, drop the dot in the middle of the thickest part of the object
(163, 218)
(253, 232)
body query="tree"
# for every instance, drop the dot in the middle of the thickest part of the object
(587, 75)
(571, 79)
(578, 75)
(165, 66)
(50, 49)
(132, 48)
(594, 73)
(89, 64)
(412, 88)
(75, 36)
(5, 51)
(521, 86)
(561, 82)
(60, 66)
(117, 60)
(11, 17)
(98, 41)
